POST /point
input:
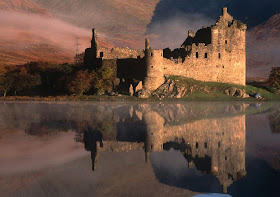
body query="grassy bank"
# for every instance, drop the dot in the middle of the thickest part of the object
(216, 90)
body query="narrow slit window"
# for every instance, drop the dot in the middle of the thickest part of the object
(226, 41)
(196, 145)
(196, 54)
(205, 145)
(219, 144)
(206, 55)
(101, 54)
(219, 55)
(152, 54)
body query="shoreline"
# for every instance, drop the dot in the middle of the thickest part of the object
(129, 98)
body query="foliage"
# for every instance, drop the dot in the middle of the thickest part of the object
(17, 79)
(103, 79)
(79, 59)
(274, 79)
(25, 81)
(81, 82)
(7, 79)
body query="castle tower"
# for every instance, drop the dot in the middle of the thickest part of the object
(154, 69)
(94, 42)
(228, 41)
(91, 54)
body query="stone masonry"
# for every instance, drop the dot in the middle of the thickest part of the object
(213, 54)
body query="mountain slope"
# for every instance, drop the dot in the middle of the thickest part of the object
(25, 6)
(122, 21)
(30, 33)
(263, 47)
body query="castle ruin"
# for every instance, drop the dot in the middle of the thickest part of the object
(213, 54)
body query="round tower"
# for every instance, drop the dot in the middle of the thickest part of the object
(154, 70)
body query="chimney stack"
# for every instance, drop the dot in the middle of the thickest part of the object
(147, 43)
(225, 11)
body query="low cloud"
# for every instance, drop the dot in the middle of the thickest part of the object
(20, 31)
(173, 31)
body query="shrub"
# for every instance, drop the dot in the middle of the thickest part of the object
(81, 82)
(274, 79)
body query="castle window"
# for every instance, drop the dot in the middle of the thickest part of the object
(226, 42)
(151, 146)
(219, 144)
(205, 55)
(196, 54)
(225, 158)
(152, 54)
(196, 145)
(152, 66)
(223, 66)
(205, 145)
(219, 55)
(101, 54)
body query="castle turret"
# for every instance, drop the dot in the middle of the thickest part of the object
(91, 54)
(94, 42)
(154, 71)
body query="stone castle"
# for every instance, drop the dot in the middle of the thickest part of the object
(213, 54)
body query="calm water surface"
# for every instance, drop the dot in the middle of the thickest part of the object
(139, 149)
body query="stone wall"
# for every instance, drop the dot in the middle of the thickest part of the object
(221, 59)
(119, 53)
(213, 54)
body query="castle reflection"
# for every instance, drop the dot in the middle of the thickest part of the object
(214, 144)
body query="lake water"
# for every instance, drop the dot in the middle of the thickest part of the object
(139, 149)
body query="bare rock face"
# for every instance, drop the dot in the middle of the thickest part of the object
(171, 90)
(236, 92)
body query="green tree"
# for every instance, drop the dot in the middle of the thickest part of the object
(80, 83)
(103, 79)
(274, 79)
(7, 78)
(25, 82)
